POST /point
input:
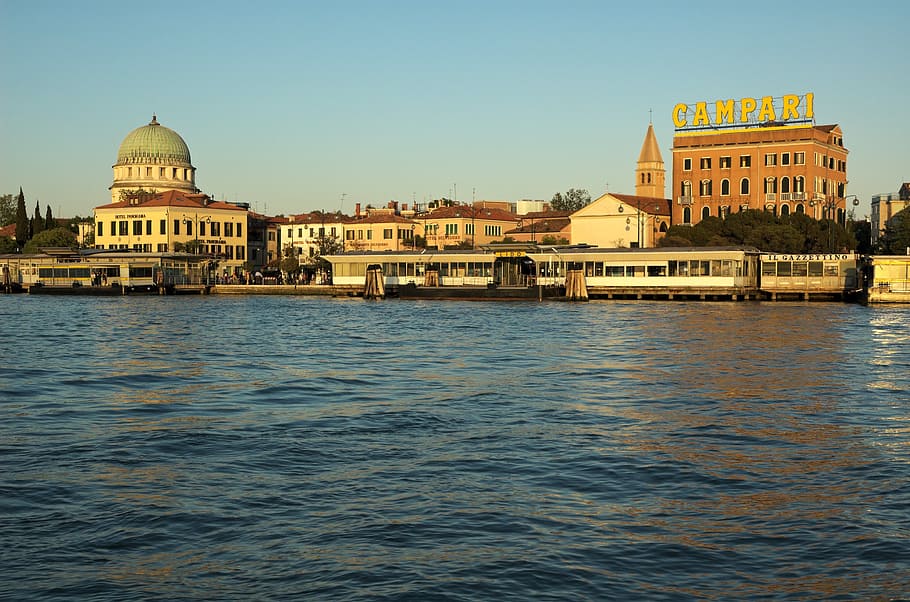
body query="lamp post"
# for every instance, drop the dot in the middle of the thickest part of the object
(196, 220)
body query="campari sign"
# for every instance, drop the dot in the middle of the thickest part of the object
(766, 111)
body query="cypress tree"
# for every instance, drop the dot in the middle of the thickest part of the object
(37, 221)
(49, 219)
(21, 220)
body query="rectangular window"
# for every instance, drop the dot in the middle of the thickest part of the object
(100, 229)
(705, 163)
(785, 158)
(239, 230)
(113, 228)
(332, 232)
(137, 227)
(745, 160)
(162, 226)
(216, 229)
(228, 229)
(770, 159)
(451, 229)
(726, 162)
(176, 227)
(161, 172)
(370, 234)
(469, 229)
(148, 172)
(162, 247)
(148, 227)
(491, 230)
(240, 252)
(815, 268)
(202, 228)
(387, 233)
(799, 158)
(687, 164)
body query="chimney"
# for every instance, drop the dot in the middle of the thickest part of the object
(357, 210)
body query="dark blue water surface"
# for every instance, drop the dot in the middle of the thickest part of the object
(276, 448)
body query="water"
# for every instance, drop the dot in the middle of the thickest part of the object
(276, 448)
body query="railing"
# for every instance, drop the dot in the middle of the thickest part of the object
(684, 200)
(771, 196)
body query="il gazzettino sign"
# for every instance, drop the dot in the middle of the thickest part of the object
(764, 111)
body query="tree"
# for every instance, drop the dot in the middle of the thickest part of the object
(573, 200)
(136, 196)
(290, 265)
(49, 219)
(7, 210)
(896, 239)
(22, 233)
(55, 237)
(37, 221)
(8, 245)
(796, 233)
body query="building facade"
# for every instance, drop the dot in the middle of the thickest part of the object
(884, 207)
(466, 226)
(757, 154)
(153, 158)
(381, 230)
(174, 221)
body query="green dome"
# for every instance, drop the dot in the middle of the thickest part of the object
(154, 143)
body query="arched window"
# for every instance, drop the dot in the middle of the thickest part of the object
(642, 178)
(785, 185)
(725, 187)
(705, 212)
(649, 177)
(799, 184)
(744, 186)
(704, 188)
(800, 208)
(687, 215)
(770, 185)
(685, 188)
(785, 209)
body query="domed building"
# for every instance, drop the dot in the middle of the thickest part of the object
(153, 158)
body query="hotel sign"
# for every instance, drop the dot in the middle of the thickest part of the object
(745, 112)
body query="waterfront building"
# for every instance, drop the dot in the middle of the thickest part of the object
(172, 221)
(380, 230)
(757, 154)
(884, 207)
(546, 227)
(621, 220)
(153, 158)
(624, 220)
(466, 226)
(313, 234)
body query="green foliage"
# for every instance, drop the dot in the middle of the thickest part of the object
(896, 239)
(56, 237)
(49, 219)
(8, 245)
(136, 196)
(289, 265)
(862, 232)
(573, 200)
(37, 223)
(551, 239)
(796, 233)
(7, 209)
(192, 246)
(22, 229)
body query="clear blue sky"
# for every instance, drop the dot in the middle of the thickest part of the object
(289, 105)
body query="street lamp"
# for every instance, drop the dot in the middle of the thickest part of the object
(196, 220)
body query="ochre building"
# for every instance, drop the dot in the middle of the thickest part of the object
(778, 167)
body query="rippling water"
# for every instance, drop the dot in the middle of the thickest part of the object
(277, 448)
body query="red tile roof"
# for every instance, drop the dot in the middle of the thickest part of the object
(647, 203)
(466, 211)
(176, 198)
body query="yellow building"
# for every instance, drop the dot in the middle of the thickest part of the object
(380, 230)
(153, 158)
(466, 225)
(172, 221)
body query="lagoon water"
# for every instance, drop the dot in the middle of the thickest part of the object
(281, 448)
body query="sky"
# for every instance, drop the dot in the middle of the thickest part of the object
(297, 106)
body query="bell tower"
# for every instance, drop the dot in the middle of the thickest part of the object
(650, 174)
